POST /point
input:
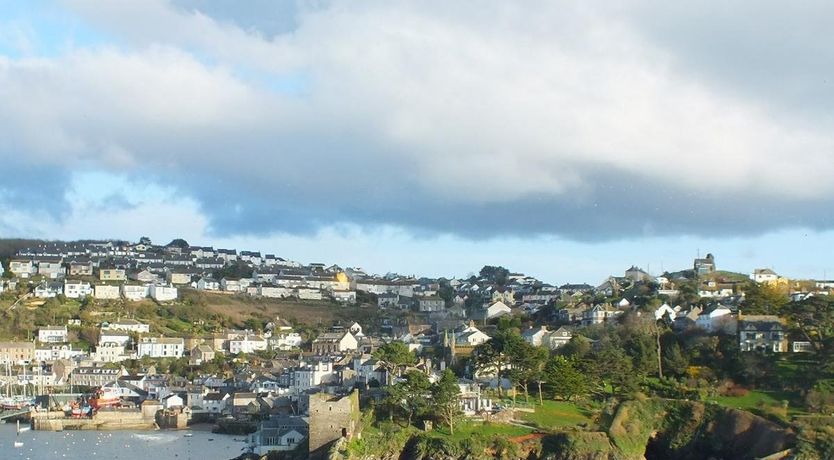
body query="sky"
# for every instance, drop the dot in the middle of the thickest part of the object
(566, 140)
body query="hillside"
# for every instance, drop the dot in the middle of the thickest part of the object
(193, 314)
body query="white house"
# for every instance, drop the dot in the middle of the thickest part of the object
(56, 352)
(52, 334)
(534, 336)
(118, 337)
(247, 344)
(163, 293)
(111, 352)
(172, 400)
(286, 341)
(134, 292)
(471, 336)
(47, 290)
(764, 275)
(307, 376)
(215, 403)
(719, 319)
(128, 324)
(344, 296)
(23, 268)
(230, 285)
(161, 347)
(77, 289)
(208, 284)
(496, 309)
(106, 291)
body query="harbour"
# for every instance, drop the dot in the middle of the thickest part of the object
(124, 445)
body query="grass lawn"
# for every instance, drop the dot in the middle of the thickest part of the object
(755, 399)
(556, 415)
(466, 429)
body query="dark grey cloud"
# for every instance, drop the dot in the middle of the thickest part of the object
(773, 51)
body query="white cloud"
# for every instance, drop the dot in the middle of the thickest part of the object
(475, 105)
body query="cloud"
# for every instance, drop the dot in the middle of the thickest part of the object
(504, 119)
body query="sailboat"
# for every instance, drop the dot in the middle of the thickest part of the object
(18, 442)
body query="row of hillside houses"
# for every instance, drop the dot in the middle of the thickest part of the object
(76, 289)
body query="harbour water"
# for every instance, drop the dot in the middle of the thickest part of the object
(123, 445)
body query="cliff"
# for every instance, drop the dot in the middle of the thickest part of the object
(641, 429)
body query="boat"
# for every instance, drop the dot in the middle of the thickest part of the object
(188, 435)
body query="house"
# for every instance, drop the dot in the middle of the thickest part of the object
(173, 401)
(764, 275)
(111, 274)
(106, 292)
(309, 375)
(180, 276)
(77, 289)
(308, 293)
(718, 319)
(285, 341)
(161, 347)
(637, 275)
(279, 433)
(17, 352)
(495, 310)
(535, 335)
(111, 352)
(431, 303)
(609, 288)
(215, 403)
(23, 268)
(230, 285)
(128, 324)
(387, 300)
(201, 354)
(134, 292)
(557, 338)
(334, 342)
(56, 352)
(163, 293)
(50, 267)
(79, 267)
(599, 314)
(343, 295)
(208, 284)
(247, 344)
(52, 334)
(762, 333)
(144, 276)
(704, 266)
(47, 290)
(470, 336)
(117, 337)
(95, 376)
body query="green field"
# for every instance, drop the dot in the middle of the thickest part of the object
(464, 430)
(556, 415)
(757, 400)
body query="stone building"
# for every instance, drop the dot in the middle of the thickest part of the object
(331, 418)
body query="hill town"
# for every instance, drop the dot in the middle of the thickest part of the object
(311, 359)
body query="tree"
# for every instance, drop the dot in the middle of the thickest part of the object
(674, 360)
(526, 362)
(763, 299)
(565, 378)
(495, 356)
(178, 243)
(416, 387)
(445, 395)
(393, 356)
(498, 275)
